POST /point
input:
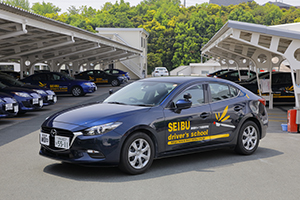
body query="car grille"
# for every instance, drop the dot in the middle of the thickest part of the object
(60, 132)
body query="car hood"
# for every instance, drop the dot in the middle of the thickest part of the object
(17, 89)
(92, 115)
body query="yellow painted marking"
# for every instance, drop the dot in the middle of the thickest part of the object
(197, 139)
(247, 96)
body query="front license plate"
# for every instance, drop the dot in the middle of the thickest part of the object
(45, 139)
(16, 108)
(41, 103)
(62, 142)
(35, 101)
(9, 106)
(50, 97)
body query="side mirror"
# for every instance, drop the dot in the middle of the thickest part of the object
(110, 91)
(183, 104)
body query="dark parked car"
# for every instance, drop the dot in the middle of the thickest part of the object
(9, 107)
(234, 75)
(282, 85)
(156, 117)
(49, 97)
(61, 83)
(219, 72)
(118, 72)
(27, 99)
(100, 77)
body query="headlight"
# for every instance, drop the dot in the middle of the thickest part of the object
(40, 91)
(22, 94)
(88, 84)
(101, 129)
(50, 92)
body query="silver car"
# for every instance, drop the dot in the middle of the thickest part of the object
(160, 71)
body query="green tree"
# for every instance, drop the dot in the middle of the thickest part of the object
(45, 8)
(24, 4)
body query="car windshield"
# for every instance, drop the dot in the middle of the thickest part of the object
(142, 93)
(11, 81)
(2, 86)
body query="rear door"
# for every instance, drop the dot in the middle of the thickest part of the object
(227, 109)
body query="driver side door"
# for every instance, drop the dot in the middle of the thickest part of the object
(190, 127)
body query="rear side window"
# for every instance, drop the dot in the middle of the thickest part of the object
(222, 91)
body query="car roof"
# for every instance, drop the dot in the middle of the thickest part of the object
(183, 79)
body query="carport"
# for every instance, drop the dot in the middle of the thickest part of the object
(29, 39)
(259, 46)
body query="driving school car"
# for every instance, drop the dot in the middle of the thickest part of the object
(61, 83)
(8, 106)
(28, 100)
(153, 118)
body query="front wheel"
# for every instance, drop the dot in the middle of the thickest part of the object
(248, 138)
(77, 91)
(137, 154)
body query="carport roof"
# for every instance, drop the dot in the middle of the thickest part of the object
(259, 46)
(38, 39)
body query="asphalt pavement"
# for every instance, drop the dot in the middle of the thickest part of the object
(272, 172)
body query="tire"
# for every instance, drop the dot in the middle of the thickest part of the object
(137, 154)
(77, 91)
(115, 83)
(248, 138)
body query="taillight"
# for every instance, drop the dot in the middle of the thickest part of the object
(263, 101)
(209, 75)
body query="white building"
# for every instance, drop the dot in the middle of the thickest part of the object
(135, 37)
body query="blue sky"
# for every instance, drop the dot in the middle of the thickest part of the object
(64, 4)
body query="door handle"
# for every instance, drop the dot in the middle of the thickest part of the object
(204, 115)
(237, 108)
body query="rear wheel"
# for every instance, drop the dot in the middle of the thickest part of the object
(248, 138)
(115, 83)
(137, 154)
(77, 91)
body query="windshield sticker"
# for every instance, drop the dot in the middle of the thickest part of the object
(223, 118)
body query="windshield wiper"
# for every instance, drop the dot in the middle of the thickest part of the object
(116, 102)
(146, 105)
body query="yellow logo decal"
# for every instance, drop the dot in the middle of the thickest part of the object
(42, 84)
(289, 88)
(222, 118)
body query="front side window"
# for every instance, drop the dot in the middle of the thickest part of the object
(196, 92)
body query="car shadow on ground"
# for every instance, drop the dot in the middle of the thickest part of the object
(204, 162)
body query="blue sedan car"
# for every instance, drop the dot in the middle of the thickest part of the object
(49, 97)
(27, 99)
(9, 107)
(154, 118)
(118, 72)
(61, 83)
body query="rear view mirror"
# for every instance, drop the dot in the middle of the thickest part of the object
(110, 91)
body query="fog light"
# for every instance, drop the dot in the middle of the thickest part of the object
(92, 151)
(95, 154)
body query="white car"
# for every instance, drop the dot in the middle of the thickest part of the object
(160, 71)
